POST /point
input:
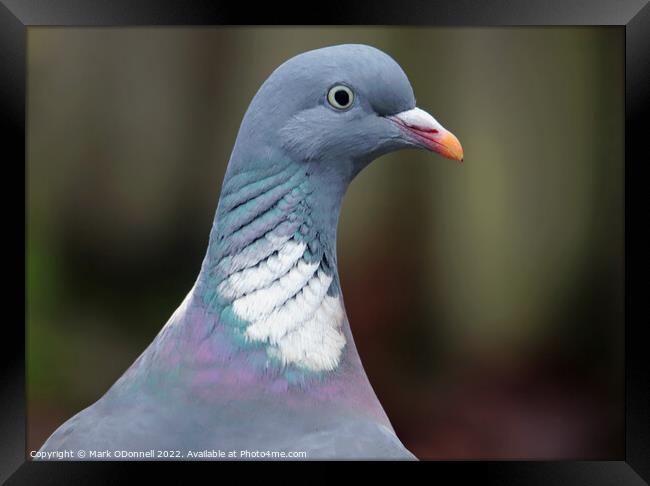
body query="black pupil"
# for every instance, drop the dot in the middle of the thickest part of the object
(342, 97)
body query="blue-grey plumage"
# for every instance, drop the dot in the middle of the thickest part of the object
(259, 356)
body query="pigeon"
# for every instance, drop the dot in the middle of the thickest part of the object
(258, 361)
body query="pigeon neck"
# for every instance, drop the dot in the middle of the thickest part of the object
(270, 273)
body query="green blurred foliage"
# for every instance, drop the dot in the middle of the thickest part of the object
(464, 284)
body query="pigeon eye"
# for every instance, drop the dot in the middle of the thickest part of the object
(340, 97)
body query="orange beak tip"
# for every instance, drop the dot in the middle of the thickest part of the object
(449, 146)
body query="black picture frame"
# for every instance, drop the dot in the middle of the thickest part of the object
(631, 15)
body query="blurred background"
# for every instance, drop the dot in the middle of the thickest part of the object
(486, 298)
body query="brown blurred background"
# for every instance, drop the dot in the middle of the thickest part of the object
(486, 298)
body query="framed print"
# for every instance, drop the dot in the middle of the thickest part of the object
(270, 165)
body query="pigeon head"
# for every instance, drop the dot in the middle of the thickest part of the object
(347, 105)
(319, 118)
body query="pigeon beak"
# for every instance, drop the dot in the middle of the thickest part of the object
(428, 133)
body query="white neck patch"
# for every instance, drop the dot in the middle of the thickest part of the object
(284, 298)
